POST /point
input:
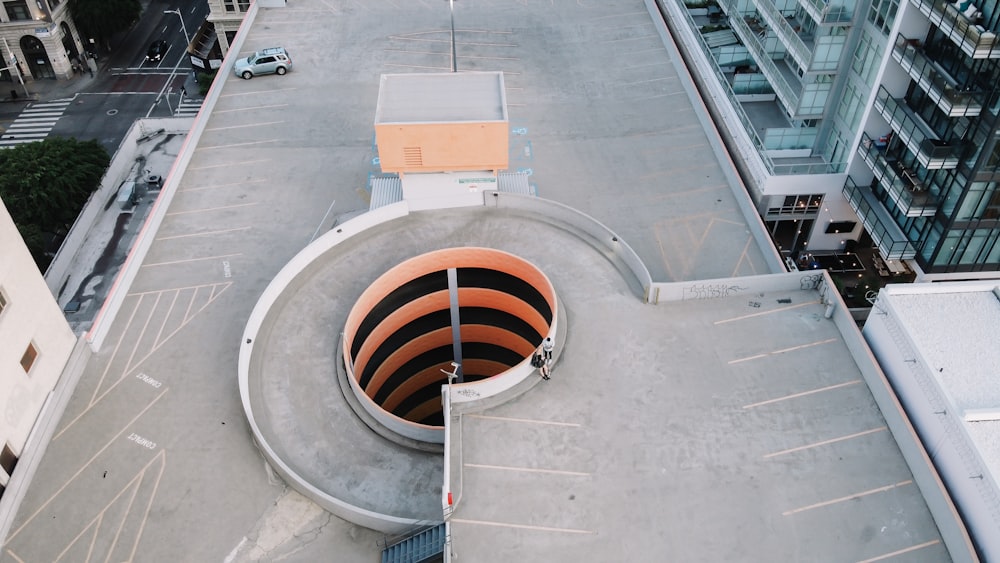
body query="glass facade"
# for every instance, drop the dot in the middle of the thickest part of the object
(935, 159)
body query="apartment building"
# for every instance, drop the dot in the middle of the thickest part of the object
(38, 40)
(860, 124)
(35, 343)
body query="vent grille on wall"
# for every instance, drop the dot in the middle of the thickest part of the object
(413, 156)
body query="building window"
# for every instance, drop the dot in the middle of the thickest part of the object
(8, 460)
(236, 5)
(29, 357)
(796, 205)
(883, 13)
(17, 10)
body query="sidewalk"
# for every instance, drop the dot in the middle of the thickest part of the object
(53, 88)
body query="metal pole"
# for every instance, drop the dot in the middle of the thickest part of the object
(12, 61)
(454, 55)
(183, 27)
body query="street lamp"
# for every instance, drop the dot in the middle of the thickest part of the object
(183, 27)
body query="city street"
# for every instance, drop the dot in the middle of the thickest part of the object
(121, 87)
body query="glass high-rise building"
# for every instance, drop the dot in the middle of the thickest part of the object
(870, 122)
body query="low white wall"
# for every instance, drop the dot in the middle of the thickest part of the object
(730, 287)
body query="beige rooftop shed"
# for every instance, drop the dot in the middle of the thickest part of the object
(442, 122)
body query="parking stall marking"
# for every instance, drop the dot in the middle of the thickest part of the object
(254, 92)
(784, 350)
(527, 420)
(901, 551)
(827, 442)
(87, 464)
(527, 469)
(218, 186)
(237, 145)
(172, 322)
(522, 526)
(802, 394)
(261, 124)
(204, 234)
(189, 260)
(228, 164)
(848, 497)
(207, 209)
(762, 313)
(251, 108)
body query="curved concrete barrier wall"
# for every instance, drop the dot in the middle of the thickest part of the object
(470, 394)
(599, 235)
(259, 325)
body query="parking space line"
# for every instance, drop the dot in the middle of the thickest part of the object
(228, 164)
(826, 442)
(217, 186)
(269, 106)
(783, 350)
(261, 124)
(204, 234)
(762, 313)
(809, 345)
(186, 260)
(528, 420)
(238, 94)
(901, 551)
(237, 145)
(802, 394)
(521, 526)
(87, 464)
(848, 497)
(207, 209)
(527, 469)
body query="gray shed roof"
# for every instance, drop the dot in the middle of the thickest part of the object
(441, 97)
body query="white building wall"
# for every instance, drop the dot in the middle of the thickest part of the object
(30, 317)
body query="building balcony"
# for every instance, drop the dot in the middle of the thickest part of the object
(789, 36)
(961, 28)
(904, 187)
(824, 13)
(932, 152)
(932, 79)
(892, 244)
(749, 30)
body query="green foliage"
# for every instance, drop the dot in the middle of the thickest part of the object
(46, 184)
(100, 19)
(205, 80)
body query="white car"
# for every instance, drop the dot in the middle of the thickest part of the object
(267, 61)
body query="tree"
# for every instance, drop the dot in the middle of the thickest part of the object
(45, 186)
(100, 19)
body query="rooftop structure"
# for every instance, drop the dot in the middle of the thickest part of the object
(937, 346)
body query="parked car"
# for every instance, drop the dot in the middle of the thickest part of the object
(274, 60)
(157, 50)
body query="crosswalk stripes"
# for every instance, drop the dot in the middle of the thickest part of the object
(34, 123)
(188, 108)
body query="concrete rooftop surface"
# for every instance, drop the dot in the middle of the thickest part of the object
(729, 429)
